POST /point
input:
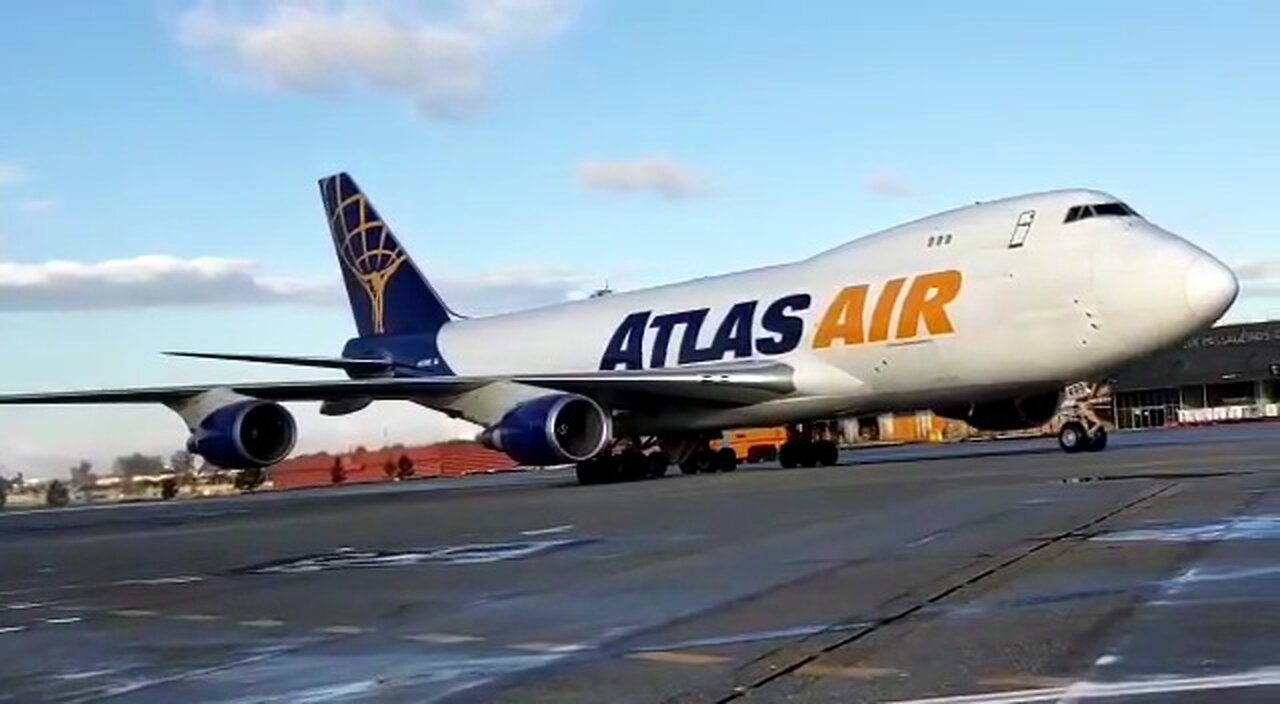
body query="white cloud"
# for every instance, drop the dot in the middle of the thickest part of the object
(1259, 270)
(644, 175)
(11, 174)
(438, 61)
(888, 185)
(37, 206)
(160, 280)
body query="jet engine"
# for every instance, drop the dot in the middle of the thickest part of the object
(244, 434)
(554, 429)
(1007, 414)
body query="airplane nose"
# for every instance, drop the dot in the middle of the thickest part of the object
(1211, 287)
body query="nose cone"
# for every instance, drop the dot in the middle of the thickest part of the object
(1211, 287)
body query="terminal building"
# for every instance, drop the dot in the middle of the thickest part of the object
(1230, 373)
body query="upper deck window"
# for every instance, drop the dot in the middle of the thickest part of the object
(1116, 209)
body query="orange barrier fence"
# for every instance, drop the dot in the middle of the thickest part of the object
(444, 460)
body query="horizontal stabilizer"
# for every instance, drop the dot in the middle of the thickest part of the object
(349, 364)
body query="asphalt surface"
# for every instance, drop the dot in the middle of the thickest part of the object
(996, 572)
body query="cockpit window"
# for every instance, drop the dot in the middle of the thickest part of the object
(1116, 209)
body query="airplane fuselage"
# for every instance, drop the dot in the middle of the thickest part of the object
(983, 301)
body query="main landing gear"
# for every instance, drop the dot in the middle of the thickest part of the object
(631, 464)
(808, 445)
(633, 459)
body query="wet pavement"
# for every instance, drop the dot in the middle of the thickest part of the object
(994, 572)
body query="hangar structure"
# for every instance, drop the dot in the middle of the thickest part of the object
(1229, 373)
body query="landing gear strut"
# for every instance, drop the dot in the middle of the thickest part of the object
(808, 445)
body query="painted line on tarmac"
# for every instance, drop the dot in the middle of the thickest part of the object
(1025, 680)
(1262, 677)
(197, 618)
(556, 648)
(5, 630)
(262, 623)
(675, 657)
(133, 613)
(443, 638)
(344, 630)
(853, 672)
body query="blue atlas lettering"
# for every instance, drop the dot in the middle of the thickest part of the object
(787, 329)
(734, 336)
(626, 347)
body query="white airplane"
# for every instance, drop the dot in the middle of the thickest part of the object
(983, 313)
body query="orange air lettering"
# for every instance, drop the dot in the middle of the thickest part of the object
(926, 301)
(843, 319)
(879, 331)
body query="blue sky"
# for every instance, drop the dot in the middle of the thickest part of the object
(526, 150)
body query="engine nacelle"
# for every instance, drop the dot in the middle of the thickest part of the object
(1007, 414)
(554, 429)
(244, 434)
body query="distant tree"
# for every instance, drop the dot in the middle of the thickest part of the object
(360, 450)
(82, 475)
(404, 467)
(56, 496)
(182, 463)
(168, 488)
(338, 472)
(4, 491)
(138, 464)
(390, 469)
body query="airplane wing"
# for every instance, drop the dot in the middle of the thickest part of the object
(349, 364)
(728, 384)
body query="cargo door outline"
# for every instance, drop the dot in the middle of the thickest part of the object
(1022, 228)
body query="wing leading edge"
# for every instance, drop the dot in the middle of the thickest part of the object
(731, 384)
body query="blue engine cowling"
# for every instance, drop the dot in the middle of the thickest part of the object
(245, 434)
(549, 430)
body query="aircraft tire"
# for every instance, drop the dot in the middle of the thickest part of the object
(787, 455)
(658, 464)
(593, 471)
(1098, 442)
(826, 453)
(632, 465)
(726, 459)
(1072, 437)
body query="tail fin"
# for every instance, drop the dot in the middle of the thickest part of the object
(387, 292)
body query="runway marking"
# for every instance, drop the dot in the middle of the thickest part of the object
(854, 672)
(444, 638)
(197, 617)
(678, 658)
(344, 630)
(11, 629)
(132, 613)
(1027, 680)
(547, 531)
(70, 607)
(1261, 677)
(262, 623)
(185, 579)
(539, 647)
(25, 605)
(62, 620)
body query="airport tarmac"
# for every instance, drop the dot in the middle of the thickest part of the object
(993, 572)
